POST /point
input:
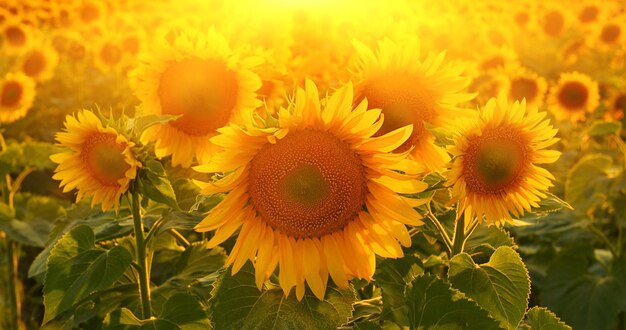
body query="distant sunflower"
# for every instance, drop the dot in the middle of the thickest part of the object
(573, 97)
(553, 21)
(16, 38)
(108, 54)
(520, 83)
(90, 12)
(40, 62)
(609, 34)
(615, 105)
(494, 172)
(17, 93)
(411, 91)
(99, 163)
(316, 195)
(589, 13)
(200, 78)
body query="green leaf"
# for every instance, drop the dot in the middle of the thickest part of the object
(139, 124)
(551, 204)
(18, 156)
(586, 179)
(393, 276)
(487, 238)
(500, 286)
(155, 185)
(433, 304)
(366, 325)
(238, 304)
(601, 128)
(582, 299)
(180, 312)
(77, 269)
(540, 318)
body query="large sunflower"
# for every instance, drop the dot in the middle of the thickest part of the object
(574, 96)
(316, 195)
(17, 93)
(99, 162)
(411, 91)
(200, 78)
(495, 172)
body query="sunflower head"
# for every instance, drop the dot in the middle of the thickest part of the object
(40, 62)
(202, 80)
(574, 96)
(314, 193)
(16, 37)
(98, 161)
(494, 173)
(17, 93)
(520, 83)
(410, 91)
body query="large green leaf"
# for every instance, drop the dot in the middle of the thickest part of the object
(581, 298)
(500, 286)
(433, 304)
(393, 276)
(154, 184)
(485, 240)
(238, 304)
(540, 318)
(600, 128)
(77, 268)
(180, 312)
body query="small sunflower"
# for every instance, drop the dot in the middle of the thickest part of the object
(410, 91)
(589, 13)
(316, 195)
(91, 12)
(16, 38)
(99, 163)
(108, 55)
(494, 172)
(201, 79)
(615, 105)
(553, 21)
(573, 96)
(17, 93)
(40, 62)
(609, 34)
(520, 83)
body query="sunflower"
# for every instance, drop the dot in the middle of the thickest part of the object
(589, 13)
(99, 163)
(609, 34)
(16, 38)
(520, 83)
(615, 105)
(494, 172)
(108, 55)
(573, 96)
(17, 93)
(201, 79)
(409, 91)
(90, 12)
(553, 21)
(40, 62)
(316, 195)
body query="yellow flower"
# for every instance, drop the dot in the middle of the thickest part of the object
(99, 163)
(108, 54)
(520, 83)
(200, 78)
(615, 105)
(17, 93)
(553, 21)
(494, 172)
(573, 97)
(316, 195)
(39, 63)
(410, 91)
(16, 38)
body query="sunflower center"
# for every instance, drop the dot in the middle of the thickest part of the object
(204, 92)
(522, 18)
(588, 14)
(524, 88)
(110, 54)
(11, 94)
(404, 100)
(610, 33)
(554, 22)
(34, 64)
(89, 13)
(15, 35)
(573, 95)
(131, 44)
(308, 184)
(620, 103)
(495, 160)
(104, 158)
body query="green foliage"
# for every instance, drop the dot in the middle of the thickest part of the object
(433, 304)
(602, 128)
(540, 318)
(500, 286)
(587, 179)
(155, 184)
(393, 276)
(236, 303)
(77, 268)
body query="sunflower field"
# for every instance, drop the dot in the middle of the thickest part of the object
(312, 164)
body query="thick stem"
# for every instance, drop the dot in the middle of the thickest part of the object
(459, 236)
(144, 274)
(12, 259)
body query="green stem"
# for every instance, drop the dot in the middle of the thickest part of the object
(179, 238)
(144, 274)
(13, 294)
(605, 239)
(459, 236)
(442, 231)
